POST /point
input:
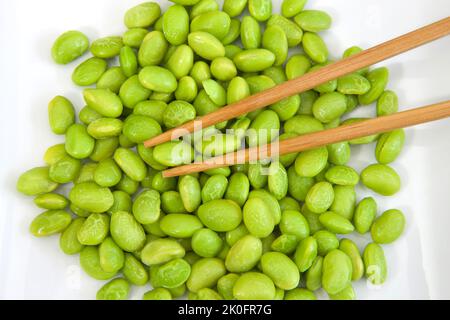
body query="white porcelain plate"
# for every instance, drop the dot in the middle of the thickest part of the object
(33, 268)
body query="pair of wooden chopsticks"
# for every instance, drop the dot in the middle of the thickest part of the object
(343, 67)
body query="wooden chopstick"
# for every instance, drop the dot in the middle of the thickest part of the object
(322, 138)
(311, 80)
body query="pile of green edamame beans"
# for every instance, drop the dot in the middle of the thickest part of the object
(228, 233)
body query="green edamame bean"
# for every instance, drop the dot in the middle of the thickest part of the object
(300, 294)
(94, 229)
(363, 140)
(176, 24)
(353, 84)
(86, 173)
(254, 60)
(387, 103)
(381, 179)
(313, 20)
(339, 153)
(89, 71)
(225, 285)
(278, 180)
(375, 263)
(336, 271)
(214, 188)
(68, 242)
(261, 10)
(206, 243)
(112, 258)
(206, 45)
(126, 231)
(257, 218)
(216, 23)
(61, 114)
(173, 153)
(297, 66)
(134, 271)
(250, 33)
(264, 128)
(65, 170)
(161, 251)
(79, 144)
(302, 124)
(187, 89)
(54, 153)
(329, 106)
(233, 32)
(104, 148)
(190, 192)
(88, 115)
(103, 101)
(290, 8)
(336, 223)
(108, 47)
(105, 128)
(91, 197)
(347, 294)
(349, 248)
(130, 163)
(315, 47)
(342, 175)
(388, 227)
(294, 223)
(276, 74)
(161, 184)
(389, 146)
(220, 215)
(143, 15)
(275, 40)
(313, 275)
(181, 61)
(157, 294)
(223, 69)
(298, 186)
(50, 222)
(234, 7)
(326, 241)
(352, 103)
(51, 201)
(200, 71)
(285, 243)
(138, 128)
(289, 203)
(238, 188)
(293, 32)
(178, 113)
(254, 286)
(122, 202)
(147, 155)
(147, 207)
(311, 162)
(365, 214)
(244, 254)
(90, 263)
(378, 79)
(344, 201)
(231, 50)
(205, 273)
(257, 179)
(270, 201)
(133, 37)
(179, 225)
(305, 253)
(171, 202)
(132, 92)
(234, 235)
(127, 185)
(281, 269)
(158, 79)
(153, 49)
(69, 46)
(116, 289)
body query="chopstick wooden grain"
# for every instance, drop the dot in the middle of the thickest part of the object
(344, 133)
(310, 80)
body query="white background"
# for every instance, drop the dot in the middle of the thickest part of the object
(36, 268)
